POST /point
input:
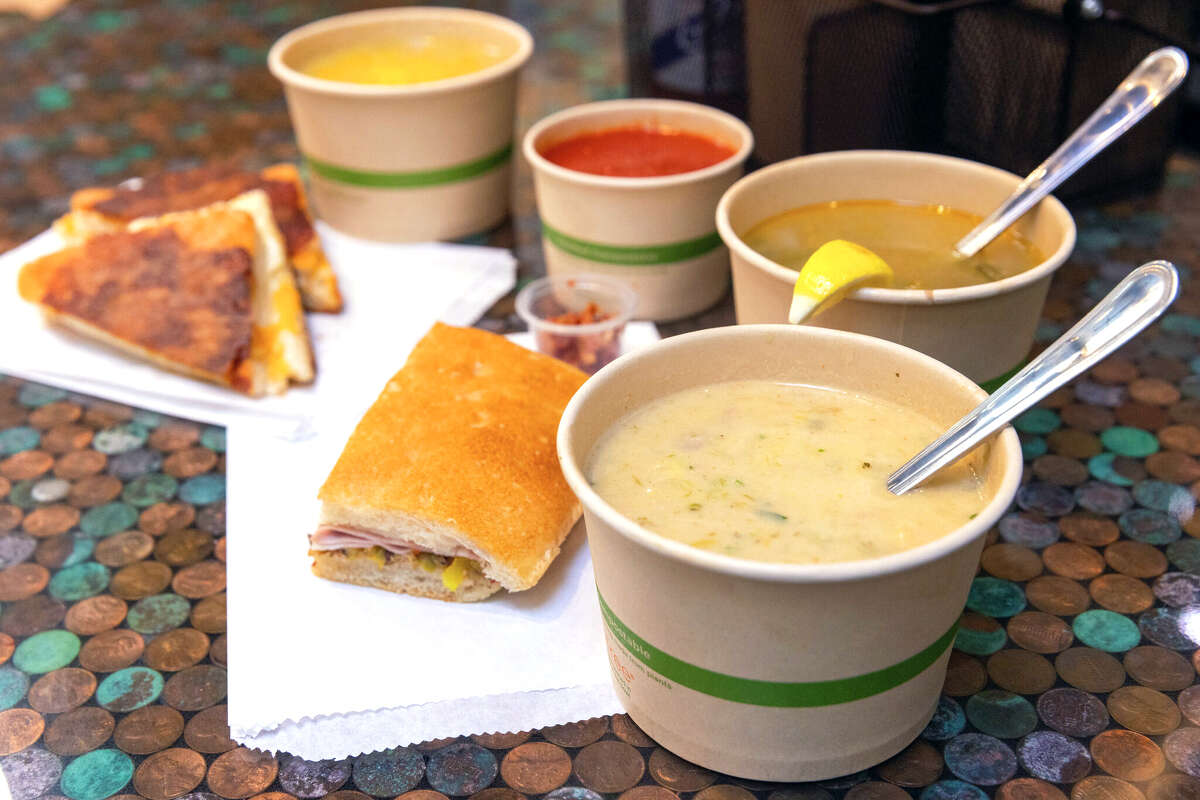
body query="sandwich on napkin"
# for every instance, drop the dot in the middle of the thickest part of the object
(107, 209)
(450, 486)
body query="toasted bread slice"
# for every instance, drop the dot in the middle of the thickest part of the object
(179, 293)
(103, 209)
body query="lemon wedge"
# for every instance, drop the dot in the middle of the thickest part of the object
(835, 268)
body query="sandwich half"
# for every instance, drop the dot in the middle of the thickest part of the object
(450, 486)
(107, 209)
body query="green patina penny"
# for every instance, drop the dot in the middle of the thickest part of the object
(149, 489)
(13, 685)
(121, 438)
(161, 612)
(80, 581)
(108, 519)
(21, 495)
(1167, 497)
(203, 489)
(33, 395)
(147, 419)
(18, 440)
(97, 775)
(1181, 323)
(1038, 421)
(995, 597)
(1106, 630)
(1033, 447)
(129, 689)
(1185, 555)
(213, 439)
(979, 642)
(1001, 714)
(1149, 526)
(46, 652)
(81, 551)
(1101, 468)
(1132, 442)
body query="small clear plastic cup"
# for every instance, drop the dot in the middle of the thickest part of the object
(578, 319)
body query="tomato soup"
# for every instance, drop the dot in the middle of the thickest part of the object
(638, 152)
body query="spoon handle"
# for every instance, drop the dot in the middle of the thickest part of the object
(1148, 85)
(1136, 301)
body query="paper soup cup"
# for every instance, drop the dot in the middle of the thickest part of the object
(405, 162)
(983, 331)
(656, 234)
(779, 672)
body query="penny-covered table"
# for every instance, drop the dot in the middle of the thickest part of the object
(1075, 667)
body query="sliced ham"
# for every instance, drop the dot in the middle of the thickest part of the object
(350, 538)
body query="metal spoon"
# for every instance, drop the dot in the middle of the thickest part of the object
(1136, 301)
(1148, 85)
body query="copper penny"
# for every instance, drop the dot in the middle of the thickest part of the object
(1020, 671)
(1127, 755)
(1141, 415)
(437, 744)
(241, 773)
(1029, 789)
(1091, 529)
(1169, 369)
(111, 650)
(1189, 703)
(628, 731)
(1136, 559)
(1012, 562)
(5, 486)
(1154, 391)
(1089, 669)
(161, 518)
(123, 548)
(415, 794)
(169, 773)
(1040, 632)
(1159, 668)
(80, 731)
(61, 690)
(1183, 749)
(26, 466)
(1184, 438)
(95, 614)
(497, 793)
(7, 646)
(70, 439)
(576, 734)
(175, 650)
(1173, 466)
(1073, 560)
(103, 414)
(1186, 411)
(1173, 786)
(190, 462)
(209, 614)
(727, 791)
(55, 413)
(199, 580)
(171, 436)
(673, 772)
(1074, 443)
(1121, 593)
(965, 675)
(10, 517)
(1060, 470)
(496, 741)
(1105, 787)
(1055, 594)
(871, 790)
(536, 767)
(648, 793)
(79, 463)
(50, 520)
(52, 552)
(1144, 710)
(22, 580)
(19, 728)
(1114, 370)
(94, 490)
(140, 579)
(218, 653)
(148, 729)
(219, 550)
(194, 688)
(208, 731)
(1088, 418)
(919, 764)
(609, 766)
(180, 548)
(32, 615)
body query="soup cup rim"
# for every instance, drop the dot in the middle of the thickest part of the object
(540, 163)
(1049, 263)
(863, 569)
(276, 56)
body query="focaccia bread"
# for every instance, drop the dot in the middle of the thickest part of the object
(450, 485)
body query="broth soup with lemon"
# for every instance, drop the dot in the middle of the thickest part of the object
(779, 472)
(916, 241)
(405, 58)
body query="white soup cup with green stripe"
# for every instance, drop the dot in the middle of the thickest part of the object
(781, 672)
(656, 234)
(983, 331)
(409, 162)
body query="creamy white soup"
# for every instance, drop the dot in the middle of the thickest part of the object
(779, 472)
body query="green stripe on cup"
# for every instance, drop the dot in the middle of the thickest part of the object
(642, 256)
(409, 180)
(809, 694)
(997, 382)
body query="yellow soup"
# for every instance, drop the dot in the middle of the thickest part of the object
(416, 58)
(915, 240)
(779, 472)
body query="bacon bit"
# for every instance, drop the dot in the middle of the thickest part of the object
(589, 352)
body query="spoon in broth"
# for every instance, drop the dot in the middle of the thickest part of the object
(1139, 299)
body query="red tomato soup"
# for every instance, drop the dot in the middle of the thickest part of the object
(638, 152)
